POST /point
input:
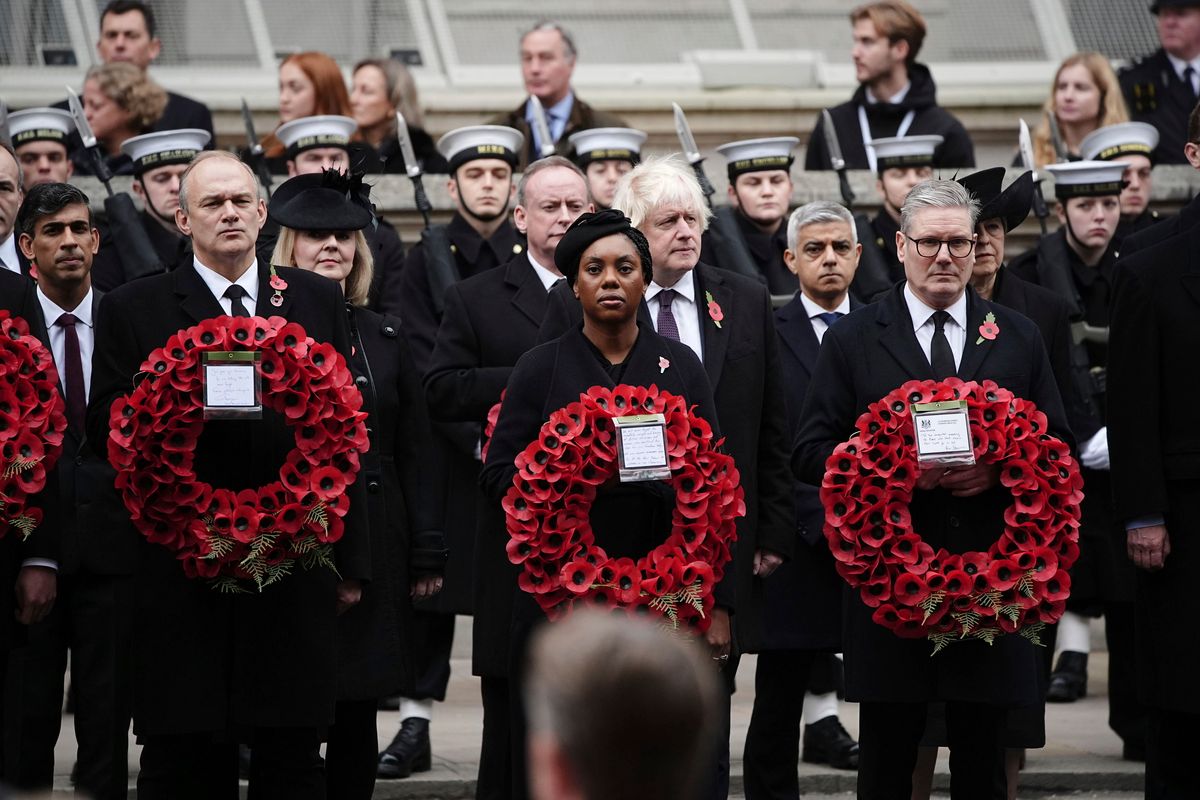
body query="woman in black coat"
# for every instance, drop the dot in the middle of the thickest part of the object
(321, 230)
(607, 263)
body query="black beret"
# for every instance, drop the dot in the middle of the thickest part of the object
(591, 227)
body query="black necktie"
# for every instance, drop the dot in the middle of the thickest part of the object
(830, 317)
(941, 357)
(1189, 77)
(73, 372)
(235, 294)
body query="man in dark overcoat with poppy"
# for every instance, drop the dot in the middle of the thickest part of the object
(215, 669)
(930, 319)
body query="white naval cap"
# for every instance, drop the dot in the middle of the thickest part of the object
(40, 125)
(1114, 141)
(1087, 178)
(481, 141)
(756, 155)
(152, 150)
(306, 133)
(901, 152)
(607, 144)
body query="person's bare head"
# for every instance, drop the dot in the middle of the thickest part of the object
(220, 209)
(127, 33)
(547, 61)
(617, 707)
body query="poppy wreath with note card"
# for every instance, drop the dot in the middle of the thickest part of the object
(251, 538)
(558, 476)
(32, 423)
(1019, 585)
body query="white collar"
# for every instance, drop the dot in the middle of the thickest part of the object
(685, 287)
(547, 277)
(1180, 65)
(51, 310)
(218, 283)
(920, 312)
(898, 97)
(8, 253)
(813, 310)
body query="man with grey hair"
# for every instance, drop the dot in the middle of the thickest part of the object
(548, 57)
(802, 623)
(593, 673)
(490, 320)
(925, 329)
(183, 628)
(12, 190)
(726, 319)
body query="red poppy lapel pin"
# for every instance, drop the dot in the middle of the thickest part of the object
(663, 363)
(989, 329)
(278, 284)
(714, 309)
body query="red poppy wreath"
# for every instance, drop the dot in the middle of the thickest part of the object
(557, 479)
(1019, 585)
(253, 537)
(32, 423)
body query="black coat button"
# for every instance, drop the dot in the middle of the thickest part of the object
(361, 380)
(953, 522)
(389, 330)
(373, 487)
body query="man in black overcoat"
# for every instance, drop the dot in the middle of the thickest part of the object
(726, 320)
(802, 619)
(95, 557)
(930, 319)
(1189, 215)
(896, 95)
(490, 321)
(215, 669)
(1154, 447)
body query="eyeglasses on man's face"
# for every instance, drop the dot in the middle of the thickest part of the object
(928, 248)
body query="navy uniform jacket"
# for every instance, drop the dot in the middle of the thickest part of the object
(1154, 93)
(742, 361)
(863, 357)
(884, 120)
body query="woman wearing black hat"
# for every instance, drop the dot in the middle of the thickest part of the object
(321, 218)
(607, 263)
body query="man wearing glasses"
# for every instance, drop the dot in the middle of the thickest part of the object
(926, 328)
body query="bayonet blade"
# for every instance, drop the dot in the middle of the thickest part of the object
(542, 126)
(1025, 145)
(5, 136)
(831, 141)
(411, 167)
(1060, 149)
(81, 124)
(248, 120)
(686, 140)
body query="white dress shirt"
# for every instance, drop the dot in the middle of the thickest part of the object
(218, 283)
(85, 331)
(814, 311)
(1180, 65)
(683, 308)
(898, 97)
(556, 118)
(924, 326)
(547, 277)
(8, 253)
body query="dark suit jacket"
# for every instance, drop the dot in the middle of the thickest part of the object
(583, 117)
(1155, 449)
(1155, 94)
(1187, 218)
(411, 298)
(220, 646)
(863, 357)
(490, 321)
(742, 361)
(803, 603)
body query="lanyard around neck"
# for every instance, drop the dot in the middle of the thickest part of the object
(865, 127)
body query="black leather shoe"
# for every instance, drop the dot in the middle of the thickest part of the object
(1068, 682)
(827, 742)
(409, 751)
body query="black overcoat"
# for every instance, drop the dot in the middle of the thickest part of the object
(209, 661)
(1154, 443)
(741, 358)
(490, 321)
(866, 355)
(403, 504)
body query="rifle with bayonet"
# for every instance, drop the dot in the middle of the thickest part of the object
(1061, 153)
(542, 126)
(412, 168)
(836, 162)
(1025, 145)
(732, 252)
(138, 256)
(254, 151)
